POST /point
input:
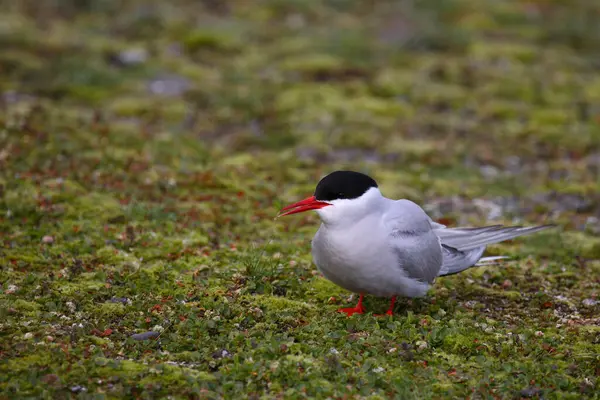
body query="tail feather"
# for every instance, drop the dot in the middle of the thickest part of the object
(463, 247)
(465, 239)
(490, 260)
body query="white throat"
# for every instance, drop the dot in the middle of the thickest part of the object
(348, 211)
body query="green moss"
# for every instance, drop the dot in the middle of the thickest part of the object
(109, 309)
(98, 341)
(123, 368)
(221, 37)
(93, 204)
(172, 375)
(281, 304)
(23, 305)
(314, 63)
(322, 289)
(20, 199)
(69, 289)
(26, 362)
(138, 195)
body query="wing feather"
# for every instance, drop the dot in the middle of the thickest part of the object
(426, 249)
(412, 239)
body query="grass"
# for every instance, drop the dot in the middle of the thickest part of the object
(146, 146)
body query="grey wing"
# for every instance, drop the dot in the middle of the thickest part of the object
(466, 239)
(413, 241)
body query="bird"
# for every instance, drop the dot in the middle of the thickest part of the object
(370, 244)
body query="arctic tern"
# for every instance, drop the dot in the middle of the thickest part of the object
(369, 244)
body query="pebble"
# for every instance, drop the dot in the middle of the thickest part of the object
(11, 289)
(133, 56)
(145, 335)
(71, 306)
(169, 86)
(530, 391)
(589, 302)
(78, 388)
(421, 345)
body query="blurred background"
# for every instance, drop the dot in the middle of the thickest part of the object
(145, 147)
(442, 102)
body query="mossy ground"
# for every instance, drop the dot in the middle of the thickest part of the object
(146, 146)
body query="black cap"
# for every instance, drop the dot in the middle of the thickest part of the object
(343, 185)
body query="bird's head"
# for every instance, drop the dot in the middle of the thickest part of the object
(340, 196)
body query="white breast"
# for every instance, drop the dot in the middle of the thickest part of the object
(359, 259)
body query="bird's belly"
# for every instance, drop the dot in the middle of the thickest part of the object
(365, 265)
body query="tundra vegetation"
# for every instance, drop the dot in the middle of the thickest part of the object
(145, 147)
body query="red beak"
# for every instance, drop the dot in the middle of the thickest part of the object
(307, 204)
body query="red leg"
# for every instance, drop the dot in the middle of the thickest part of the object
(390, 311)
(359, 309)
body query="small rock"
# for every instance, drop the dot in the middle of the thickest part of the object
(221, 354)
(48, 239)
(78, 388)
(491, 209)
(174, 50)
(507, 284)
(489, 171)
(421, 345)
(586, 386)
(295, 21)
(133, 56)
(11, 289)
(593, 225)
(122, 300)
(589, 302)
(539, 333)
(530, 391)
(71, 306)
(378, 370)
(145, 335)
(28, 336)
(257, 312)
(169, 86)
(513, 165)
(470, 303)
